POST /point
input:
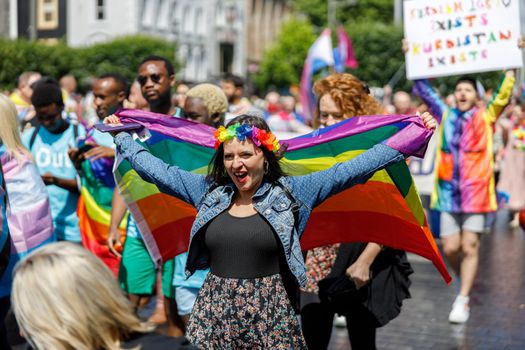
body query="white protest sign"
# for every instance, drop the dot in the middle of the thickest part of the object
(450, 37)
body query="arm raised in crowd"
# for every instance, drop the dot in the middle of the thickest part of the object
(501, 97)
(426, 92)
(341, 176)
(170, 179)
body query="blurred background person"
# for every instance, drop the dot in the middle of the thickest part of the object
(286, 122)
(72, 99)
(379, 272)
(180, 95)
(22, 95)
(403, 103)
(65, 298)
(49, 143)
(512, 176)
(464, 191)
(138, 275)
(233, 87)
(135, 98)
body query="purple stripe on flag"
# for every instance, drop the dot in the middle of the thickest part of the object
(410, 140)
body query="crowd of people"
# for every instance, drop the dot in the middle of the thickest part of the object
(60, 296)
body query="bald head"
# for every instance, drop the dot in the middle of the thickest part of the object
(402, 102)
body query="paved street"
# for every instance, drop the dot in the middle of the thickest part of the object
(497, 318)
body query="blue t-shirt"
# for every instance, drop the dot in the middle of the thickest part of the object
(132, 230)
(50, 155)
(103, 138)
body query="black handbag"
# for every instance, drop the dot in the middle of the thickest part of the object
(340, 293)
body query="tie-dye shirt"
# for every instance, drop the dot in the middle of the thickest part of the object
(464, 161)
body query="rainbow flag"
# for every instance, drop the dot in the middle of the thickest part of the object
(386, 209)
(94, 209)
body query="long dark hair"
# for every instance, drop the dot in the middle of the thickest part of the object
(216, 170)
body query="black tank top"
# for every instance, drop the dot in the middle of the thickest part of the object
(242, 247)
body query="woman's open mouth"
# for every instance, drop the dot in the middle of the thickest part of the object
(241, 176)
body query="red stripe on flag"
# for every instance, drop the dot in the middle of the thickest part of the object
(94, 236)
(328, 228)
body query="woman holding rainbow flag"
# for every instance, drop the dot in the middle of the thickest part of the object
(247, 230)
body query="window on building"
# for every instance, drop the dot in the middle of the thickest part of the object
(47, 14)
(100, 9)
(163, 14)
(199, 22)
(187, 20)
(226, 57)
(148, 13)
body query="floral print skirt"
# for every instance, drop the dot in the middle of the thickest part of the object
(234, 313)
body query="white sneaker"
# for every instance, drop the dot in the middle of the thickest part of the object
(460, 310)
(340, 321)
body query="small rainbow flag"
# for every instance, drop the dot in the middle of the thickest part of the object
(94, 209)
(386, 209)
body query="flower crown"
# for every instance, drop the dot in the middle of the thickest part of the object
(243, 131)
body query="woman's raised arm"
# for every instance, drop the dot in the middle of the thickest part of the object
(341, 176)
(168, 178)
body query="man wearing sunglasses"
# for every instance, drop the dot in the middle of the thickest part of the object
(156, 78)
(49, 142)
(137, 273)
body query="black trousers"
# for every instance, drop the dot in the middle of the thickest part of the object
(5, 305)
(317, 323)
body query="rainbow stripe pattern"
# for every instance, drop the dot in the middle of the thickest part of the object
(386, 209)
(464, 159)
(94, 209)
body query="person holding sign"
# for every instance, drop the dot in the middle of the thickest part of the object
(464, 190)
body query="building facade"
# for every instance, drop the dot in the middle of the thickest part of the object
(212, 36)
(4, 18)
(264, 20)
(95, 21)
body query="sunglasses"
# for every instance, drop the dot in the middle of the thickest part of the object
(155, 78)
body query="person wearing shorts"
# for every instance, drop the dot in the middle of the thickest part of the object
(186, 289)
(464, 190)
(137, 273)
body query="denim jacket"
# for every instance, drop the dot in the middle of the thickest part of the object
(270, 200)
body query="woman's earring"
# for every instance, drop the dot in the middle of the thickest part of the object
(266, 168)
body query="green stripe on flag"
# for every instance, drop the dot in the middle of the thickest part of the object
(362, 141)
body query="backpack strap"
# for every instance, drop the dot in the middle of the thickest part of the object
(75, 131)
(33, 137)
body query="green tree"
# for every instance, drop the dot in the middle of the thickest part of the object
(377, 47)
(283, 62)
(346, 11)
(121, 55)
